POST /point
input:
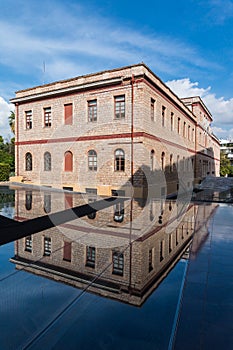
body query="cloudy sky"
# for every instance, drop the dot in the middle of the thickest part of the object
(187, 43)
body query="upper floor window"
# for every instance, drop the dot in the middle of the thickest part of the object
(184, 130)
(178, 125)
(171, 162)
(172, 120)
(47, 246)
(47, 161)
(152, 109)
(67, 250)
(118, 263)
(92, 111)
(92, 160)
(163, 115)
(28, 244)
(28, 116)
(119, 160)
(163, 160)
(152, 160)
(119, 106)
(90, 256)
(28, 161)
(47, 117)
(68, 114)
(68, 161)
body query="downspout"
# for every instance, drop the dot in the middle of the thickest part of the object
(132, 180)
(17, 138)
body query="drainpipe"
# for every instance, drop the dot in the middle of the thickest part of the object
(132, 181)
(17, 137)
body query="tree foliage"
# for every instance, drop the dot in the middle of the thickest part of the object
(225, 166)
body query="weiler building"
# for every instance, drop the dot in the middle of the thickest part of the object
(117, 130)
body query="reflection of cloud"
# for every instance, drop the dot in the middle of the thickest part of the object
(221, 109)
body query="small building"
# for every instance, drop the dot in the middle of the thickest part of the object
(115, 131)
(226, 148)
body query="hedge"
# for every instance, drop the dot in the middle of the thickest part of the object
(4, 171)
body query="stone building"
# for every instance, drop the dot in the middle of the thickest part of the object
(117, 130)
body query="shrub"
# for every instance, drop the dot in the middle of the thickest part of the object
(4, 171)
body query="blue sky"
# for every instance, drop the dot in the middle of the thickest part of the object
(187, 43)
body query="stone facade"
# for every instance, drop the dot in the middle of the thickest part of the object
(157, 132)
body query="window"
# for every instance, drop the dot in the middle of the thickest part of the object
(92, 160)
(92, 193)
(171, 162)
(119, 160)
(47, 161)
(170, 243)
(119, 212)
(189, 132)
(151, 258)
(68, 161)
(92, 111)
(161, 250)
(184, 130)
(47, 246)
(68, 200)
(28, 116)
(28, 161)
(68, 114)
(163, 160)
(178, 163)
(47, 117)
(152, 109)
(28, 200)
(90, 256)
(119, 107)
(47, 203)
(178, 126)
(28, 244)
(172, 120)
(67, 248)
(152, 160)
(177, 237)
(118, 263)
(163, 115)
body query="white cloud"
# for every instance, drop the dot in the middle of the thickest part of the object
(5, 109)
(32, 39)
(220, 108)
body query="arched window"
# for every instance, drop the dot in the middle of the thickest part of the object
(152, 160)
(119, 160)
(68, 161)
(47, 161)
(92, 160)
(163, 160)
(28, 200)
(28, 161)
(47, 203)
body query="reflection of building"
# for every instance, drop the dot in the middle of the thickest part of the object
(121, 260)
(227, 149)
(106, 130)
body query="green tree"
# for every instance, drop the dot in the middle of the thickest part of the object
(225, 165)
(11, 120)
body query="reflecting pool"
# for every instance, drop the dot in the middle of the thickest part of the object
(109, 275)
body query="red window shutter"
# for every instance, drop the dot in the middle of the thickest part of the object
(67, 251)
(68, 112)
(68, 161)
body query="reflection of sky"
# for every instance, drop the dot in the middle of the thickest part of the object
(29, 303)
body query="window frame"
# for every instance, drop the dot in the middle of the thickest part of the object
(92, 110)
(119, 107)
(28, 119)
(119, 160)
(47, 117)
(92, 160)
